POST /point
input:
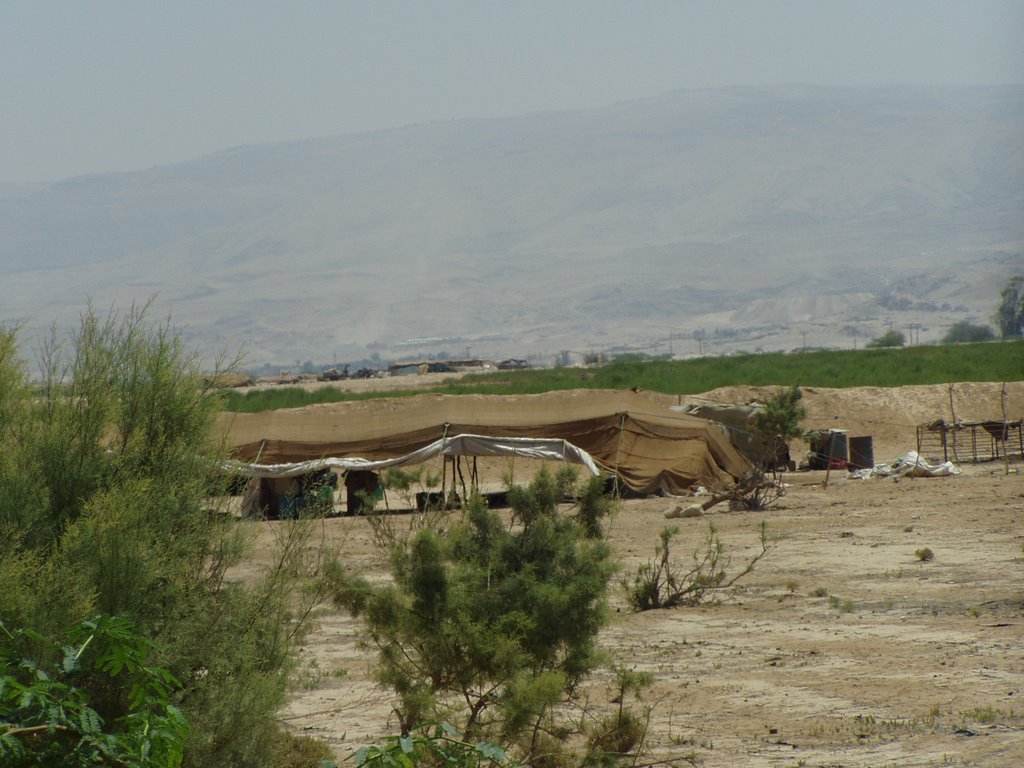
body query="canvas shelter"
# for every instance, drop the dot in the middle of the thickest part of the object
(643, 443)
(740, 421)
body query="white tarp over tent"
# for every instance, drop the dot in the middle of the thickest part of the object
(456, 445)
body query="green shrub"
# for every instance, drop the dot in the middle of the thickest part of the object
(885, 367)
(106, 470)
(487, 627)
(93, 701)
(432, 746)
(620, 735)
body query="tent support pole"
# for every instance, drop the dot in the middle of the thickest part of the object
(462, 479)
(444, 469)
(1006, 431)
(618, 452)
(249, 490)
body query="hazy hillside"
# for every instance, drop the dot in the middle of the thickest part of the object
(768, 215)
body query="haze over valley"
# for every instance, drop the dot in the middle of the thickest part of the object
(755, 218)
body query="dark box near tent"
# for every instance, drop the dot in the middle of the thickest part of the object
(862, 452)
(830, 450)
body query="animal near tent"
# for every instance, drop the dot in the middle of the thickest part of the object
(645, 445)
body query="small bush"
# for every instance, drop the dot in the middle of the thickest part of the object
(302, 752)
(924, 554)
(662, 583)
(621, 734)
(615, 737)
(487, 627)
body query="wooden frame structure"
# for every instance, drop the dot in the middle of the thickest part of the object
(971, 441)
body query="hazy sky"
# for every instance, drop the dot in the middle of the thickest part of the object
(113, 85)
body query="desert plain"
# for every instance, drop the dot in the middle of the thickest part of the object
(843, 648)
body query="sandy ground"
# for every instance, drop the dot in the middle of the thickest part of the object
(842, 648)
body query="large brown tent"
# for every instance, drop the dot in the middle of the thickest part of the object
(650, 448)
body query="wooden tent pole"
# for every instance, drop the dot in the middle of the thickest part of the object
(462, 479)
(444, 469)
(618, 450)
(1006, 432)
(952, 411)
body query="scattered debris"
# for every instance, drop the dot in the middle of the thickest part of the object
(911, 465)
(679, 511)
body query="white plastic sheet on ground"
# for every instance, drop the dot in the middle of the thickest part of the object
(911, 465)
(456, 445)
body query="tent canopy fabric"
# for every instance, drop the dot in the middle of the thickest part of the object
(459, 445)
(650, 448)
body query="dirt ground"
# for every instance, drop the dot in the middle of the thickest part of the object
(842, 648)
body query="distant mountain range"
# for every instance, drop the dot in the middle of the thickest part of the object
(751, 217)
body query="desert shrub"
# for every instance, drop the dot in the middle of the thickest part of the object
(924, 554)
(773, 426)
(303, 752)
(781, 416)
(621, 734)
(108, 475)
(664, 583)
(408, 482)
(594, 507)
(488, 627)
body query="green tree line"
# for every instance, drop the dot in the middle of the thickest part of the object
(883, 367)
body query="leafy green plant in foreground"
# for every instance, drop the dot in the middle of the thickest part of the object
(47, 717)
(438, 747)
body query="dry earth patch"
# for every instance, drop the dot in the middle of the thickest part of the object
(842, 648)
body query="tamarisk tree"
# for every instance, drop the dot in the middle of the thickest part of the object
(491, 626)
